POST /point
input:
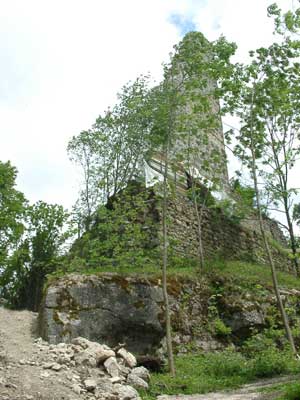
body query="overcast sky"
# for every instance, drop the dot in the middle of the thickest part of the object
(62, 62)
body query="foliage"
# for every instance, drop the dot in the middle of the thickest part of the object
(296, 213)
(12, 209)
(264, 95)
(123, 233)
(291, 392)
(112, 152)
(266, 101)
(221, 329)
(36, 255)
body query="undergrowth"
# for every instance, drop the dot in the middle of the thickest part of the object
(228, 369)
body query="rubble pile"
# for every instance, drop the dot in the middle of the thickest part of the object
(94, 369)
(89, 369)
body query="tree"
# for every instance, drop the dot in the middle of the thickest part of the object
(111, 153)
(165, 101)
(246, 102)
(185, 123)
(12, 208)
(36, 255)
(199, 144)
(84, 150)
(277, 107)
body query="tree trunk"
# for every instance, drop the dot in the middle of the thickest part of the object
(270, 258)
(199, 231)
(293, 240)
(164, 269)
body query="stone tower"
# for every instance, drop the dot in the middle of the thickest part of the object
(201, 154)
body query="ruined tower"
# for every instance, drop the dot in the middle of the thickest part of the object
(197, 149)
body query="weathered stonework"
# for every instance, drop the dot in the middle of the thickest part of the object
(222, 238)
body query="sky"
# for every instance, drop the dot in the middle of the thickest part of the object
(63, 61)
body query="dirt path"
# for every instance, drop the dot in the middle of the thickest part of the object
(247, 392)
(22, 376)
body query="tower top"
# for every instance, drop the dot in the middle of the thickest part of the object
(197, 144)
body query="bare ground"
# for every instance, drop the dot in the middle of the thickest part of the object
(22, 377)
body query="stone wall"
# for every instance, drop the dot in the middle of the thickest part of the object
(222, 237)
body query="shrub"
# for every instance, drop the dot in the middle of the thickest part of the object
(221, 329)
(224, 364)
(292, 392)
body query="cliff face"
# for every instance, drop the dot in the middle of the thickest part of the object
(207, 313)
(108, 309)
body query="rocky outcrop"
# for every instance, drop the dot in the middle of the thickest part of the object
(207, 313)
(108, 309)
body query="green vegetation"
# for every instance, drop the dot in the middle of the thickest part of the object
(255, 277)
(220, 371)
(122, 227)
(290, 391)
(31, 239)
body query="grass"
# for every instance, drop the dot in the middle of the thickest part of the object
(229, 369)
(290, 391)
(249, 274)
(245, 273)
(284, 391)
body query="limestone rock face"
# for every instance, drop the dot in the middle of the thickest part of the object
(108, 309)
(244, 320)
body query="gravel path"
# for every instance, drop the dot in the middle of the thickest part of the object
(21, 374)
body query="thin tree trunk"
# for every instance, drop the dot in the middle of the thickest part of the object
(273, 270)
(282, 180)
(164, 269)
(293, 241)
(199, 231)
(267, 247)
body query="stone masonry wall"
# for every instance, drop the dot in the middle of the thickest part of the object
(221, 237)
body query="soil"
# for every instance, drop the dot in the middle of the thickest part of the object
(22, 376)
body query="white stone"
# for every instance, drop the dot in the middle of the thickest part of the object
(45, 375)
(80, 341)
(101, 352)
(90, 385)
(117, 379)
(126, 392)
(76, 388)
(48, 365)
(128, 357)
(112, 367)
(137, 382)
(56, 367)
(142, 373)
(86, 357)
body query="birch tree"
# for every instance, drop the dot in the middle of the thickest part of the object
(253, 144)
